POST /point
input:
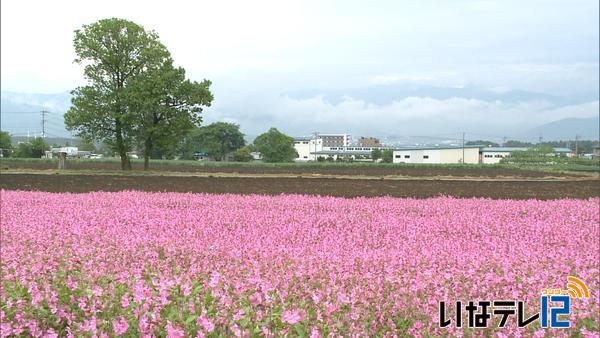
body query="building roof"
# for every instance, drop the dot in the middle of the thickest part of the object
(512, 149)
(436, 148)
(341, 152)
(327, 134)
(503, 149)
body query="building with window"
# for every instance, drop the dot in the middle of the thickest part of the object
(330, 146)
(457, 154)
(335, 140)
(305, 147)
(369, 142)
(492, 155)
(357, 153)
(439, 155)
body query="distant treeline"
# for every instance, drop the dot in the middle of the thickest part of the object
(583, 146)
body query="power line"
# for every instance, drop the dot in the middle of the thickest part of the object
(19, 112)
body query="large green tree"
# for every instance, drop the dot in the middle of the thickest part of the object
(217, 139)
(167, 107)
(376, 154)
(243, 154)
(113, 52)
(387, 156)
(36, 148)
(5, 144)
(275, 146)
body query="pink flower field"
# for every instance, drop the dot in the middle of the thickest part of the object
(171, 264)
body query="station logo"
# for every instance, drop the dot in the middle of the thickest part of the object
(555, 309)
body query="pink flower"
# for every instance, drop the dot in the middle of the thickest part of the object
(206, 323)
(292, 316)
(125, 302)
(343, 298)
(353, 263)
(5, 330)
(214, 279)
(50, 333)
(97, 291)
(120, 326)
(89, 325)
(174, 332)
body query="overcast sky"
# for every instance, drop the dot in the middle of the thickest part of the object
(261, 54)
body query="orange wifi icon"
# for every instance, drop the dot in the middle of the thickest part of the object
(577, 288)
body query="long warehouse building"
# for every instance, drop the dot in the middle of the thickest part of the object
(467, 154)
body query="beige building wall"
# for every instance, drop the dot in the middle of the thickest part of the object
(436, 156)
(455, 155)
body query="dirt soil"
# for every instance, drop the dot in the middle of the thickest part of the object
(312, 186)
(324, 170)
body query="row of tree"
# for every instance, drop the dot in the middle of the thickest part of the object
(36, 148)
(220, 141)
(583, 146)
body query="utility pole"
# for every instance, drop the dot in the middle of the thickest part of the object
(540, 138)
(44, 112)
(463, 148)
(576, 145)
(504, 141)
(316, 140)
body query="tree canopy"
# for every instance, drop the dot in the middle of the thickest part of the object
(387, 156)
(376, 154)
(134, 93)
(482, 143)
(516, 143)
(274, 146)
(168, 106)
(217, 140)
(5, 144)
(36, 148)
(243, 154)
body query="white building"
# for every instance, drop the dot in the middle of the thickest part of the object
(306, 147)
(309, 149)
(493, 155)
(438, 155)
(335, 140)
(70, 151)
(354, 152)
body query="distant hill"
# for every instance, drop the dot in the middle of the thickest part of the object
(60, 141)
(20, 114)
(386, 94)
(566, 129)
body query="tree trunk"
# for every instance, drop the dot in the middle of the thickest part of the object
(147, 151)
(223, 151)
(125, 163)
